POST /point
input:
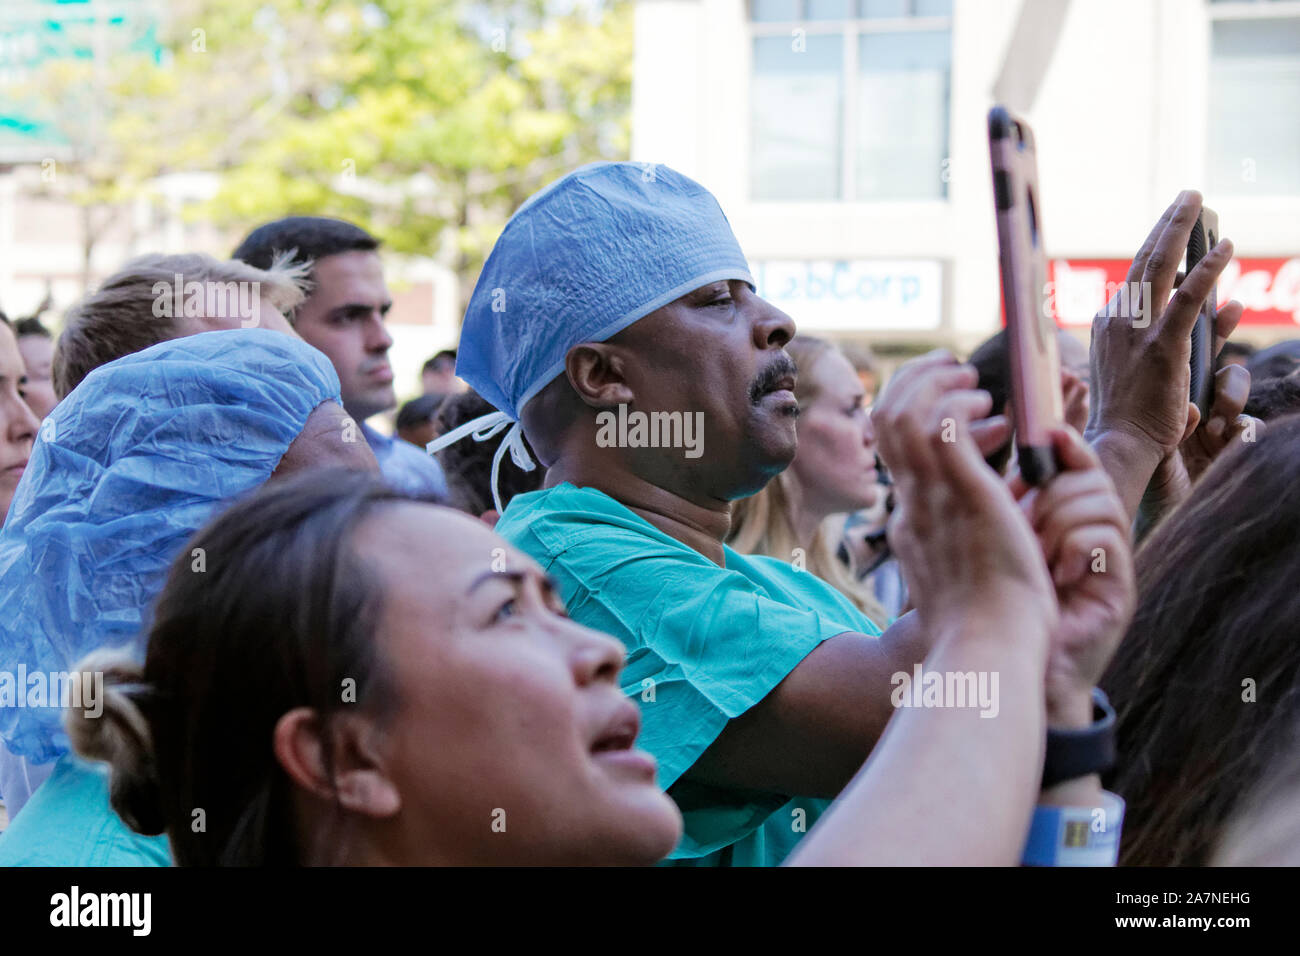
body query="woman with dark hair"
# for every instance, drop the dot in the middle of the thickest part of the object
(424, 698)
(1207, 681)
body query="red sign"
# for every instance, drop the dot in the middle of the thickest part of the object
(1268, 288)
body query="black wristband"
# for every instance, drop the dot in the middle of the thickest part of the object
(1077, 753)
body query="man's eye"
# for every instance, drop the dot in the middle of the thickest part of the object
(506, 610)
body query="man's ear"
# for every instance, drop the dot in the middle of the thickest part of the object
(360, 783)
(597, 373)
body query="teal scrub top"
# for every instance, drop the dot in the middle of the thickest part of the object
(704, 644)
(69, 822)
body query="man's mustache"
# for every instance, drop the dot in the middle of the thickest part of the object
(770, 377)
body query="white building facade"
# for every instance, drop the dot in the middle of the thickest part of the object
(847, 142)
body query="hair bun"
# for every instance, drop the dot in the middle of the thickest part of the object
(119, 735)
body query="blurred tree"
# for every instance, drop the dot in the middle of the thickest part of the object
(134, 99)
(426, 121)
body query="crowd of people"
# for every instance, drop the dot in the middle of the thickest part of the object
(770, 618)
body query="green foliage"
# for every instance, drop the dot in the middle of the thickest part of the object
(426, 121)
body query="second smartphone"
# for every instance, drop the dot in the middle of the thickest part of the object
(1031, 330)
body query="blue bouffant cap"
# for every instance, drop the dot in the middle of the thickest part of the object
(124, 470)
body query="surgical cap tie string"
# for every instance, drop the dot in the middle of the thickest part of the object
(483, 428)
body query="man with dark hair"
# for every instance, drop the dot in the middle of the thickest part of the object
(438, 376)
(415, 420)
(468, 464)
(1274, 397)
(37, 348)
(343, 316)
(1276, 361)
(1236, 353)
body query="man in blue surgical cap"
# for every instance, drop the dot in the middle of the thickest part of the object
(616, 325)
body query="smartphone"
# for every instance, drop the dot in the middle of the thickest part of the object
(1204, 237)
(1035, 371)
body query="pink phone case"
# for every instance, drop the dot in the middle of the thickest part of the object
(1031, 330)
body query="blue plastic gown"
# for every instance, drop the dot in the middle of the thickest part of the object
(125, 469)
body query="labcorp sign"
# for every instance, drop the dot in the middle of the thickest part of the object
(855, 295)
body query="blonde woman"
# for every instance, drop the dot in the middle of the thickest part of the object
(799, 516)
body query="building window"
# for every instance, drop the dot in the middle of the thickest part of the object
(1254, 98)
(849, 99)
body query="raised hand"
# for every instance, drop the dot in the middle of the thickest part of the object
(1204, 440)
(1083, 532)
(963, 544)
(1141, 350)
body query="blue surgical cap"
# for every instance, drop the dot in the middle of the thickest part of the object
(124, 470)
(580, 261)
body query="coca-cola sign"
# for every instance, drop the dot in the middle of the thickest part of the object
(1268, 288)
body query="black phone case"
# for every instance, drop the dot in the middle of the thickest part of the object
(1201, 392)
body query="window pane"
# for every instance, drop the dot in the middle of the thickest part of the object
(903, 89)
(830, 9)
(876, 9)
(1254, 135)
(766, 11)
(796, 116)
(934, 8)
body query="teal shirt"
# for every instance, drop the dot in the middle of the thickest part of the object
(704, 644)
(69, 822)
